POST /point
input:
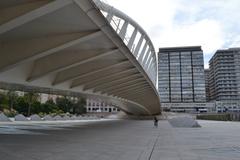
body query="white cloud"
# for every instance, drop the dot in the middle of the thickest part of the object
(147, 13)
(236, 41)
(211, 24)
(206, 33)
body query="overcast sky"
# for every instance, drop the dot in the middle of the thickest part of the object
(213, 24)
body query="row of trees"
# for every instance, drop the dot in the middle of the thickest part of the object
(12, 103)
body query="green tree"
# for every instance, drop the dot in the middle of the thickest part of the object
(12, 96)
(36, 107)
(64, 103)
(3, 101)
(50, 107)
(21, 105)
(79, 106)
(31, 98)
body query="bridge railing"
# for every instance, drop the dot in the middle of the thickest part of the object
(133, 35)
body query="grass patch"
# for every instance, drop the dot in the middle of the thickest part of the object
(215, 117)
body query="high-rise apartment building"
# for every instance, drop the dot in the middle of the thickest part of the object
(181, 80)
(224, 79)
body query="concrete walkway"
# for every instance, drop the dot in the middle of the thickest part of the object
(122, 140)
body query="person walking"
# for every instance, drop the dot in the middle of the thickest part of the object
(155, 120)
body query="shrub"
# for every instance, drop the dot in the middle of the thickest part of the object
(215, 117)
(9, 113)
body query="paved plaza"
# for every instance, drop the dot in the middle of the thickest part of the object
(119, 140)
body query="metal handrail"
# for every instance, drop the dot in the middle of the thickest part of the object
(104, 7)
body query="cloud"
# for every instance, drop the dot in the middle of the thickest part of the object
(206, 33)
(147, 14)
(236, 41)
(211, 24)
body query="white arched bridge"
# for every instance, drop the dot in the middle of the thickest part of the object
(80, 47)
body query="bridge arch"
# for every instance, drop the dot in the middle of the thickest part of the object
(69, 47)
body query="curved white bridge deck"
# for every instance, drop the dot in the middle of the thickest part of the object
(69, 45)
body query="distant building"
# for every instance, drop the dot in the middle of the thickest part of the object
(45, 97)
(97, 106)
(207, 84)
(224, 79)
(181, 78)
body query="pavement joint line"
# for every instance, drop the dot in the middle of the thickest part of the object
(154, 145)
(147, 153)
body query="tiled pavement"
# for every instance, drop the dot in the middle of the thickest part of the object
(120, 140)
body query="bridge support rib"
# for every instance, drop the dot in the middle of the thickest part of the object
(57, 66)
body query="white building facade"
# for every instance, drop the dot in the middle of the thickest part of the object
(99, 106)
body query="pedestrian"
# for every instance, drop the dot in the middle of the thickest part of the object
(155, 120)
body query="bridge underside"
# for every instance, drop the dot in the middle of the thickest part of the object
(68, 45)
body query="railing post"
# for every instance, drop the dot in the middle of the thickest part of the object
(109, 17)
(144, 53)
(150, 63)
(123, 30)
(133, 37)
(138, 46)
(146, 57)
(140, 57)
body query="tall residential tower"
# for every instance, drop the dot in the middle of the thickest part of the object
(224, 79)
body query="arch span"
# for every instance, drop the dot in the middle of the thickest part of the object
(69, 47)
